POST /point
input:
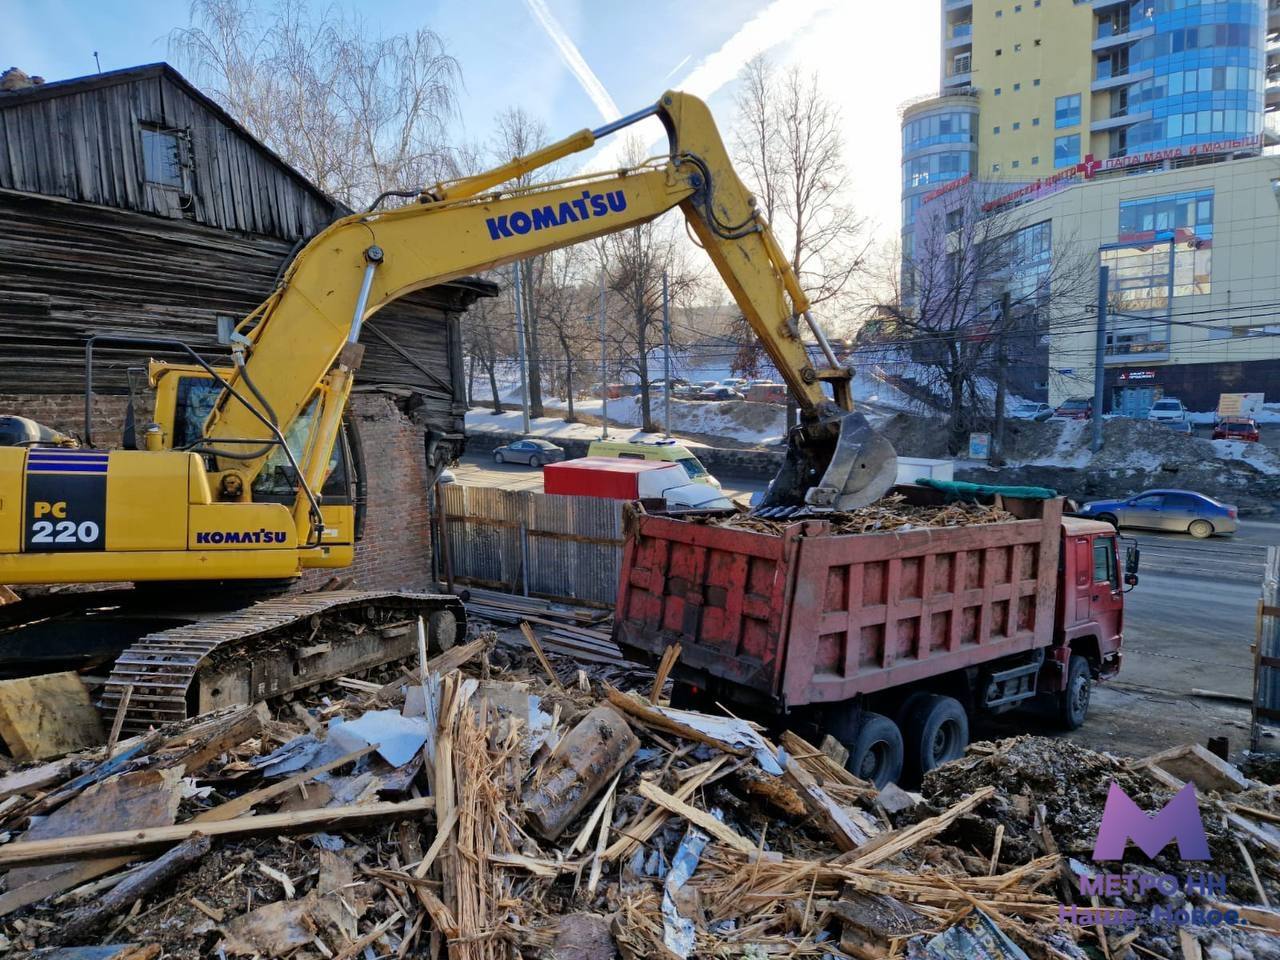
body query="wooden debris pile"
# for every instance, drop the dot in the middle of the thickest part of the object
(500, 803)
(885, 515)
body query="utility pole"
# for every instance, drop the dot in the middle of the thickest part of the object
(524, 379)
(666, 353)
(604, 367)
(1099, 359)
(1002, 376)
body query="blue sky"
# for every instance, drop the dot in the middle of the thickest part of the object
(869, 56)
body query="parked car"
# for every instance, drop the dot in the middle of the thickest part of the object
(1032, 411)
(719, 393)
(532, 451)
(1182, 511)
(1179, 426)
(1236, 428)
(686, 391)
(767, 393)
(663, 450)
(1075, 408)
(1166, 409)
(736, 382)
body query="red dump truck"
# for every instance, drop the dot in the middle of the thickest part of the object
(891, 642)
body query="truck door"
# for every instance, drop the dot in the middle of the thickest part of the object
(1106, 596)
(1082, 561)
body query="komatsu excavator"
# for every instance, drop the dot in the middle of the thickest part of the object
(241, 476)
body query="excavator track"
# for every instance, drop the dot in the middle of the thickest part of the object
(271, 648)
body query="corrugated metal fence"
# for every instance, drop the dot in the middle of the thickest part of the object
(537, 544)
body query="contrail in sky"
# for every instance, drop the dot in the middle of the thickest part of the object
(673, 70)
(775, 24)
(573, 59)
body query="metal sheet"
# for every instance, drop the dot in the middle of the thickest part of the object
(574, 544)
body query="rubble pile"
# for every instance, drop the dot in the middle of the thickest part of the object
(502, 802)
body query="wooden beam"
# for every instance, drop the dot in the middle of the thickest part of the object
(830, 816)
(243, 804)
(63, 849)
(699, 818)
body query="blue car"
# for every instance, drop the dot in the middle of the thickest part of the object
(1180, 511)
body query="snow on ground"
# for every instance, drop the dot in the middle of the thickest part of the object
(1070, 451)
(1255, 454)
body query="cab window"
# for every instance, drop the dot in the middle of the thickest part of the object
(195, 399)
(693, 467)
(1104, 562)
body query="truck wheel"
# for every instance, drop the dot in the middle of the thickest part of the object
(1073, 702)
(935, 730)
(1200, 529)
(875, 754)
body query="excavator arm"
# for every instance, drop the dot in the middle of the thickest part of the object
(301, 347)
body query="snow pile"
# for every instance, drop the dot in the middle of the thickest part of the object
(1072, 448)
(1261, 458)
(760, 423)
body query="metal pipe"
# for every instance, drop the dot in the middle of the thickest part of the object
(604, 366)
(822, 339)
(615, 125)
(520, 349)
(666, 354)
(1099, 359)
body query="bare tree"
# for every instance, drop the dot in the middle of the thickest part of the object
(788, 143)
(568, 299)
(518, 134)
(357, 114)
(972, 294)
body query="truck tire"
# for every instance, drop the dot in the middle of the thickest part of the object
(1073, 702)
(875, 752)
(934, 730)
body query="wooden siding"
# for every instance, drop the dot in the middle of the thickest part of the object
(72, 270)
(82, 140)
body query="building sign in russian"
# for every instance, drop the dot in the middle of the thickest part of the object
(1089, 167)
(947, 188)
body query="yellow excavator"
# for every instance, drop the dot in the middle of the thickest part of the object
(241, 477)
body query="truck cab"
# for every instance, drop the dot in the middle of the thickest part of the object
(1090, 609)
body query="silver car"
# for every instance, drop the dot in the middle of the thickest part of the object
(1181, 511)
(533, 452)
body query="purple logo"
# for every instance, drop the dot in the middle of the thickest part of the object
(1123, 820)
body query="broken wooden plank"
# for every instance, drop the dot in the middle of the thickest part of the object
(669, 658)
(48, 716)
(833, 820)
(649, 716)
(1191, 762)
(451, 659)
(532, 638)
(889, 845)
(699, 818)
(136, 885)
(136, 841)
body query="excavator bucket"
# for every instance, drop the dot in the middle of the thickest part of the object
(837, 462)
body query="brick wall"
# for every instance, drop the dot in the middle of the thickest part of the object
(396, 549)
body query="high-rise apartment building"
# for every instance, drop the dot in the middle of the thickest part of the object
(1139, 135)
(1032, 87)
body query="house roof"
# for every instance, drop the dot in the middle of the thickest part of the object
(96, 81)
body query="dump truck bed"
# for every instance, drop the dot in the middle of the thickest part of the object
(808, 616)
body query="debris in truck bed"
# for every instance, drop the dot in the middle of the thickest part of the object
(886, 514)
(546, 820)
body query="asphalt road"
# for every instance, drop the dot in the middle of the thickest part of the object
(1188, 624)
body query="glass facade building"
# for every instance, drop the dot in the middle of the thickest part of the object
(1206, 61)
(939, 146)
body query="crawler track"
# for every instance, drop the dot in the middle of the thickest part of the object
(271, 648)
